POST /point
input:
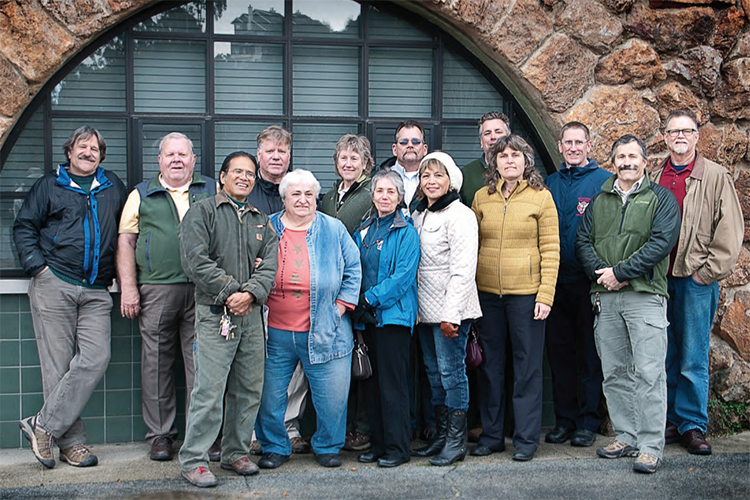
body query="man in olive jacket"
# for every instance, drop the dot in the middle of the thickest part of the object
(229, 250)
(623, 244)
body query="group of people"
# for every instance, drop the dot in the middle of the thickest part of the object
(273, 279)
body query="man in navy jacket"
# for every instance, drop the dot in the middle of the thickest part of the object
(66, 236)
(571, 352)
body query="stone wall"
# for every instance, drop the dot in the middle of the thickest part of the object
(617, 65)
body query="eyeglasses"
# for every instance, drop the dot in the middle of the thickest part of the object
(687, 132)
(569, 144)
(414, 142)
(237, 172)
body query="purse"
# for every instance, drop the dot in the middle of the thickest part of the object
(361, 367)
(474, 353)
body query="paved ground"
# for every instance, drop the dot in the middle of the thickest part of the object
(558, 471)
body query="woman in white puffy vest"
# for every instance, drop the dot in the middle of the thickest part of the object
(448, 300)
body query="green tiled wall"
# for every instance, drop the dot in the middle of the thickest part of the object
(113, 414)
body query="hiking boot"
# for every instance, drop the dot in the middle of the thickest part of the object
(242, 466)
(41, 441)
(200, 477)
(299, 445)
(618, 449)
(356, 441)
(256, 448)
(78, 455)
(646, 463)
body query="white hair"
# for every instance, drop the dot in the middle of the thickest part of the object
(300, 176)
(175, 135)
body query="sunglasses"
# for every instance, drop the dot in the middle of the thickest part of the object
(414, 142)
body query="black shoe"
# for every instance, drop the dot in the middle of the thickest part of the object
(214, 452)
(161, 449)
(438, 441)
(369, 458)
(328, 459)
(272, 460)
(523, 454)
(482, 450)
(558, 435)
(671, 434)
(392, 462)
(583, 437)
(455, 441)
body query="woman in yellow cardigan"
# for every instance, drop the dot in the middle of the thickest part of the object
(519, 252)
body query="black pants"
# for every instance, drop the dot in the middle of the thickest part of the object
(511, 316)
(387, 391)
(571, 352)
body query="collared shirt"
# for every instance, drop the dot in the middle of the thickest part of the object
(130, 212)
(411, 182)
(675, 180)
(624, 194)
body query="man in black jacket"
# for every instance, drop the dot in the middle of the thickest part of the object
(274, 153)
(66, 236)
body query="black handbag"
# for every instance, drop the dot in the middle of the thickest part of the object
(474, 353)
(361, 367)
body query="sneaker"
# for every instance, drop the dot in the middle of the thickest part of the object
(78, 455)
(356, 441)
(255, 448)
(299, 445)
(41, 441)
(646, 463)
(618, 449)
(200, 477)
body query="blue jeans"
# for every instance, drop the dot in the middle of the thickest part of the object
(329, 388)
(444, 361)
(690, 310)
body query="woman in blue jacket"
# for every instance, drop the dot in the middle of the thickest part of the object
(387, 310)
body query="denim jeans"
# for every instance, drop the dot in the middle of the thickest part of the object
(72, 329)
(329, 388)
(444, 361)
(631, 338)
(690, 311)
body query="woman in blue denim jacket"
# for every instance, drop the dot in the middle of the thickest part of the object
(387, 311)
(317, 282)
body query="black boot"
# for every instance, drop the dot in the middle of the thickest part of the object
(455, 445)
(438, 440)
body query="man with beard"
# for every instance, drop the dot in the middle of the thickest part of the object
(409, 148)
(492, 126)
(710, 241)
(66, 236)
(155, 287)
(571, 352)
(623, 244)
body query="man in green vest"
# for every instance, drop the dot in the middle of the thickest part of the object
(154, 286)
(492, 126)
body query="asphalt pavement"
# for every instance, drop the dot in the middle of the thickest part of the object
(557, 471)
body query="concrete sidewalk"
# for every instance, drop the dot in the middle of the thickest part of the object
(559, 471)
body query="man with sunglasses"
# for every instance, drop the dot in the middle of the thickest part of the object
(409, 148)
(710, 240)
(154, 285)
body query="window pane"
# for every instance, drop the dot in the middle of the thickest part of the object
(313, 149)
(401, 82)
(8, 253)
(152, 134)
(326, 18)
(384, 25)
(466, 93)
(462, 143)
(235, 136)
(240, 18)
(114, 133)
(249, 78)
(97, 84)
(25, 163)
(170, 76)
(189, 18)
(326, 81)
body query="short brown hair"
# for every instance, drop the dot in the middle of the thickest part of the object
(81, 134)
(494, 115)
(408, 124)
(275, 133)
(357, 143)
(577, 125)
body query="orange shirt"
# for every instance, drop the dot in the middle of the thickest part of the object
(289, 299)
